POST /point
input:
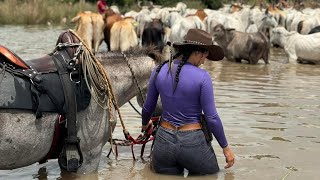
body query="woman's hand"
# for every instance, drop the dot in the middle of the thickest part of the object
(145, 127)
(230, 159)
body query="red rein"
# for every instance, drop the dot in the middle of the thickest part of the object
(130, 141)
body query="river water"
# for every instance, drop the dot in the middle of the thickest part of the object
(270, 115)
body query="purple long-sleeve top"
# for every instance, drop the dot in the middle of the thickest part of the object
(193, 95)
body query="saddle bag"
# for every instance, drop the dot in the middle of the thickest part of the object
(205, 128)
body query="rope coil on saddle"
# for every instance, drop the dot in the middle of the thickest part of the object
(97, 78)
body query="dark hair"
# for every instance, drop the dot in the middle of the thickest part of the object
(185, 52)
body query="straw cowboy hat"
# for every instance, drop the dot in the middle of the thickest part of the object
(200, 38)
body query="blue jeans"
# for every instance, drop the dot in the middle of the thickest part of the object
(175, 150)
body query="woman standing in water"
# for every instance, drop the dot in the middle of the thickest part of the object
(186, 92)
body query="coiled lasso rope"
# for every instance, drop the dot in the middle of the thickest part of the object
(101, 88)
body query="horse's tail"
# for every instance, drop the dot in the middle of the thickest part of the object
(115, 37)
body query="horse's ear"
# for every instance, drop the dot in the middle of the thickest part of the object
(267, 11)
(152, 55)
(75, 19)
(155, 54)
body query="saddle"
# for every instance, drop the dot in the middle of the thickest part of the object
(39, 86)
(12, 58)
(52, 83)
(43, 64)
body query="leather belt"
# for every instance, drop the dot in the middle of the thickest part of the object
(185, 127)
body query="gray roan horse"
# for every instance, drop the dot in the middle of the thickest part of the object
(25, 139)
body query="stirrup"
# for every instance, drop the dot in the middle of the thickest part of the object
(70, 158)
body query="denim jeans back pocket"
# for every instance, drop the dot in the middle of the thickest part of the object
(163, 149)
(192, 139)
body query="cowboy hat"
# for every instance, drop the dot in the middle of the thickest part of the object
(200, 38)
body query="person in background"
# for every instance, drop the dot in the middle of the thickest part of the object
(102, 6)
(186, 91)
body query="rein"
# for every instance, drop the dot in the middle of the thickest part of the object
(142, 139)
(136, 81)
(133, 75)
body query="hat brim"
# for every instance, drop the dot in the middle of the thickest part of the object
(215, 52)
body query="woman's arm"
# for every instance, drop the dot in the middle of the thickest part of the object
(210, 111)
(151, 101)
(213, 119)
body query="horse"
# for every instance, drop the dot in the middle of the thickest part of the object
(26, 136)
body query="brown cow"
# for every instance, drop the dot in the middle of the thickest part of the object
(89, 26)
(200, 13)
(278, 14)
(235, 7)
(110, 18)
(123, 35)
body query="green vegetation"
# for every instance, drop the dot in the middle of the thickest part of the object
(40, 11)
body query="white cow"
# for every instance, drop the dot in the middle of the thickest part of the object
(298, 46)
(181, 8)
(172, 18)
(214, 18)
(308, 24)
(131, 13)
(181, 27)
(115, 9)
(297, 18)
(142, 18)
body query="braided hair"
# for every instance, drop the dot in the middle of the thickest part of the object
(185, 51)
(167, 61)
(159, 68)
(176, 77)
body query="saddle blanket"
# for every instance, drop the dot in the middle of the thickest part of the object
(46, 96)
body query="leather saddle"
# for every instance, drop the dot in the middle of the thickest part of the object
(40, 84)
(43, 64)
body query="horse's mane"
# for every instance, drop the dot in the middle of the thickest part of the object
(150, 51)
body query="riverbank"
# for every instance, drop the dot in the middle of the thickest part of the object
(33, 12)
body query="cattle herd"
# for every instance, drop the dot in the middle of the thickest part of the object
(244, 32)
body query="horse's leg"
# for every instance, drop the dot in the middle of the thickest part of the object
(94, 132)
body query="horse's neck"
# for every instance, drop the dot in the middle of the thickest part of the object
(125, 83)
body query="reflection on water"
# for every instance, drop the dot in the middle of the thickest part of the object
(264, 156)
(269, 128)
(280, 139)
(270, 115)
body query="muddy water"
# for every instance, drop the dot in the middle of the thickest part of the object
(270, 115)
